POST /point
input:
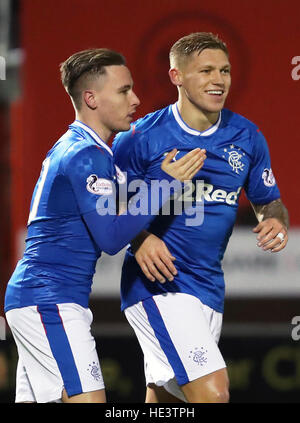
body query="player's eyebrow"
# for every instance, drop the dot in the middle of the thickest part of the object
(226, 66)
(125, 88)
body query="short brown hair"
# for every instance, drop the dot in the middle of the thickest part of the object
(197, 41)
(86, 64)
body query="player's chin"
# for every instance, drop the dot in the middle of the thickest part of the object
(215, 107)
(124, 126)
(216, 103)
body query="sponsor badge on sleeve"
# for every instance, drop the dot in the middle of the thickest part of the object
(99, 186)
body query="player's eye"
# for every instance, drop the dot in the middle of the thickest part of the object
(125, 89)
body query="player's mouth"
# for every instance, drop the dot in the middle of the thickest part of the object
(131, 115)
(217, 93)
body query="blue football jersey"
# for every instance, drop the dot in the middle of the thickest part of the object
(60, 255)
(73, 217)
(237, 157)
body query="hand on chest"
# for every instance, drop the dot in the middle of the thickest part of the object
(226, 165)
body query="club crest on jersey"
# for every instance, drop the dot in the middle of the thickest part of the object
(268, 178)
(234, 157)
(99, 186)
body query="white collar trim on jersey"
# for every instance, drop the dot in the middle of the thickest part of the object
(94, 135)
(192, 131)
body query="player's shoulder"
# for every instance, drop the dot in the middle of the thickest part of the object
(142, 127)
(237, 123)
(77, 147)
(236, 120)
(151, 120)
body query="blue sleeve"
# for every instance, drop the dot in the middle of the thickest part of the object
(92, 176)
(261, 187)
(111, 232)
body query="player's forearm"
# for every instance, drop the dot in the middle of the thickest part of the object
(139, 239)
(112, 232)
(275, 209)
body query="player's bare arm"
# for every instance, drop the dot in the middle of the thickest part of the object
(272, 230)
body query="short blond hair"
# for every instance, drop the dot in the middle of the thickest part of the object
(195, 42)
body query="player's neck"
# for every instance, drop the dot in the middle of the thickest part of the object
(196, 118)
(93, 123)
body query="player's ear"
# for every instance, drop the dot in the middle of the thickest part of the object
(89, 99)
(175, 76)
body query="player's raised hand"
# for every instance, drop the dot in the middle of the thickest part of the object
(186, 167)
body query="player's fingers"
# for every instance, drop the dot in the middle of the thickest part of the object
(188, 156)
(168, 259)
(274, 239)
(281, 245)
(277, 231)
(154, 272)
(163, 269)
(169, 157)
(264, 231)
(258, 227)
(192, 160)
(263, 240)
(193, 170)
(185, 170)
(146, 271)
(275, 242)
(164, 251)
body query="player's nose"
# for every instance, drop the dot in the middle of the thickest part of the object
(217, 77)
(135, 100)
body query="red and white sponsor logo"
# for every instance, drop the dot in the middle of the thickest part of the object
(268, 178)
(99, 186)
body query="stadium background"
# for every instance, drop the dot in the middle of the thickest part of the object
(262, 289)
